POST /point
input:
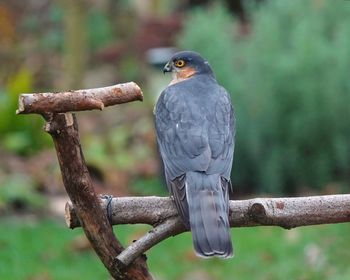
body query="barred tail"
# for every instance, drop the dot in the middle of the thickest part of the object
(208, 212)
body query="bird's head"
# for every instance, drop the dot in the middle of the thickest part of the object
(185, 64)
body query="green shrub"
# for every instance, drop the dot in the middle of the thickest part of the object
(289, 79)
(20, 134)
(18, 191)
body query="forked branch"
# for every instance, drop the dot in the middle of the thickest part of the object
(63, 127)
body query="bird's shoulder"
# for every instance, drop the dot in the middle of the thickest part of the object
(199, 89)
(199, 95)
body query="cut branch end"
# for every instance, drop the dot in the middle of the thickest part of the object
(78, 100)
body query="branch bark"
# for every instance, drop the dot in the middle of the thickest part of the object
(79, 100)
(63, 128)
(64, 131)
(160, 212)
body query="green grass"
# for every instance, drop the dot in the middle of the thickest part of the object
(43, 250)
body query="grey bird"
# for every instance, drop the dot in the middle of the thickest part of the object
(195, 126)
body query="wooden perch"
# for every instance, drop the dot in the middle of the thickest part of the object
(161, 213)
(64, 131)
(79, 100)
(63, 128)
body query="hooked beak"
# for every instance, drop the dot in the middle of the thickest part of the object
(167, 68)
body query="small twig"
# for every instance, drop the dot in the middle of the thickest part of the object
(169, 227)
(78, 100)
(161, 213)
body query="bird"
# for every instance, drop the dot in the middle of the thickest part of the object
(195, 130)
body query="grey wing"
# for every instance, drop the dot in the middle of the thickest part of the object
(181, 133)
(182, 141)
(221, 135)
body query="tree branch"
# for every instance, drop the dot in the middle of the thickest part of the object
(64, 131)
(150, 210)
(160, 212)
(78, 100)
(169, 227)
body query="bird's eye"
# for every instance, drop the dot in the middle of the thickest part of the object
(180, 63)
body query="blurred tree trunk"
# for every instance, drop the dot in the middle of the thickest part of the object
(75, 45)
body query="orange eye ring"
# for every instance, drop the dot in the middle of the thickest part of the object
(180, 63)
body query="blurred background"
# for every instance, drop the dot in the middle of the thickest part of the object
(286, 65)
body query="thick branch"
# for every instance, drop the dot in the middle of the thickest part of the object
(284, 212)
(150, 210)
(79, 100)
(64, 131)
(161, 213)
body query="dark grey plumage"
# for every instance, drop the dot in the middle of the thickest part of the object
(195, 132)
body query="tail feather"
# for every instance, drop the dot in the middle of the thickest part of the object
(208, 214)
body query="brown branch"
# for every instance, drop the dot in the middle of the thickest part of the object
(150, 210)
(161, 213)
(79, 100)
(64, 131)
(170, 227)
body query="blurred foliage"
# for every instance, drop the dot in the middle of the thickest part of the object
(43, 250)
(19, 133)
(150, 186)
(121, 145)
(289, 82)
(120, 148)
(18, 192)
(26, 71)
(45, 29)
(100, 31)
(123, 148)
